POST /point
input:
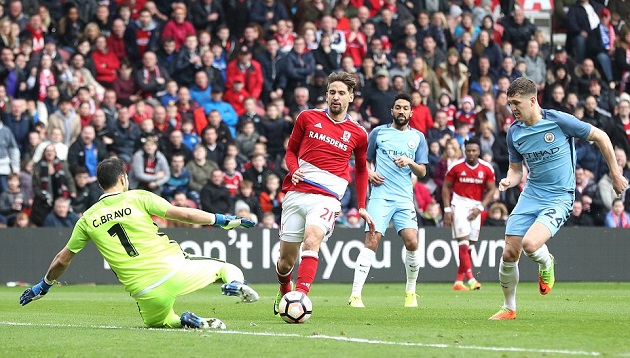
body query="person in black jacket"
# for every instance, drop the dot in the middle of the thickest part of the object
(519, 30)
(273, 66)
(142, 35)
(207, 15)
(214, 195)
(86, 151)
(326, 58)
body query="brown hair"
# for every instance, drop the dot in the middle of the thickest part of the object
(522, 86)
(344, 77)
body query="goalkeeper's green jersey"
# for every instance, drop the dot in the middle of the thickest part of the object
(123, 231)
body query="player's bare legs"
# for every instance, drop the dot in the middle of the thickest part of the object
(412, 265)
(313, 237)
(288, 255)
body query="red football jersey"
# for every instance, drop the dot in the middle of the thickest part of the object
(470, 181)
(322, 148)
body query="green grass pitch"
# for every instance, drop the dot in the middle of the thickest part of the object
(575, 319)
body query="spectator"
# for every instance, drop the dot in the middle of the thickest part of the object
(301, 102)
(188, 60)
(87, 152)
(604, 185)
(13, 200)
(236, 96)
(420, 73)
(249, 69)
(151, 78)
(421, 116)
(519, 30)
(20, 123)
(326, 57)
(178, 180)
(273, 130)
(582, 19)
(617, 217)
(269, 219)
(22, 220)
(70, 28)
(124, 133)
(605, 98)
(215, 75)
(61, 216)
(175, 145)
(51, 180)
(66, 120)
(87, 192)
(379, 100)
(116, 40)
(241, 209)
(578, 217)
(105, 61)
(214, 195)
(167, 55)
(433, 55)
(125, 85)
(356, 42)
(207, 15)
(452, 153)
(508, 69)
(453, 77)
(258, 172)
(497, 215)
(267, 13)
(200, 91)
(273, 65)
(200, 168)
(617, 126)
(149, 168)
(178, 27)
(432, 216)
(300, 64)
(246, 139)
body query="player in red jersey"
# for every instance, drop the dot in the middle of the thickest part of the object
(468, 180)
(320, 146)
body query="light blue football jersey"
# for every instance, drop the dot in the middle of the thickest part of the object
(548, 150)
(385, 143)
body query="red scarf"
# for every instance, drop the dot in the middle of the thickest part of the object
(624, 220)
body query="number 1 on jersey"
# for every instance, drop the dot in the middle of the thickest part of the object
(118, 231)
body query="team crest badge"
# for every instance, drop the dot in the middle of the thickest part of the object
(411, 144)
(346, 136)
(480, 175)
(549, 137)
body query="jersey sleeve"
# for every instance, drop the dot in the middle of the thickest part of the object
(572, 126)
(371, 150)
(422, 152)
(450, 175)
(361, 172)
(513, 155)
(79, 237)
(153, 204)
(293, 146)
(490, 176)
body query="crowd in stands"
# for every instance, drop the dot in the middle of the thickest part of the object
(199, 97)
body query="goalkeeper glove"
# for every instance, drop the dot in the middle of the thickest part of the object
(229, 222)
(35, 293)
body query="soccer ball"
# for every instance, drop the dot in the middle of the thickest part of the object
(295, 307)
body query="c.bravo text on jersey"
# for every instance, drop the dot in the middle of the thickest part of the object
(110, 216)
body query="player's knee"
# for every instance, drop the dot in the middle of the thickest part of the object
(530, 247)
(285, 264)
(411, 245)
(510, 255)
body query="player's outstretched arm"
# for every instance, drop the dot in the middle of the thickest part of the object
(605, 146)
(196, 216)
(57, 267)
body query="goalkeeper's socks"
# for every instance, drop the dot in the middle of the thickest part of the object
(307, 271)
(284, 280)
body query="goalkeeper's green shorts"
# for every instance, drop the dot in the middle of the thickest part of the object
(156, 304)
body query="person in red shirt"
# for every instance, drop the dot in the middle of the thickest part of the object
(317, 157)
(421, 115)
(105, 61)
(178, 27)
(237, 94)
(468, 179)
(250, 72)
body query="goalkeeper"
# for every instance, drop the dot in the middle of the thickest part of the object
(152, 268)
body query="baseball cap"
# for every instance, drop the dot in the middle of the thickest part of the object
(559, 49)
(320, 100)
(244, 50)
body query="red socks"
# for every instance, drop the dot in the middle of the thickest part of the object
(307, 271)
(284, 281)
(465, 265)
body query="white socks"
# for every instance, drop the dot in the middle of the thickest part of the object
(508, 277)
(361, 270)
(412, 266)
(541, 257)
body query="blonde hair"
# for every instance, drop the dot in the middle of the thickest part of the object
(456, 148)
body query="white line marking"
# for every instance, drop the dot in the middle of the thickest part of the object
(319, 336)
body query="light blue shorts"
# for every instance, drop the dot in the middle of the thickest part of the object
(552, 213)
(382, 211)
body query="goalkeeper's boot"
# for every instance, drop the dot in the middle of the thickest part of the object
(276, 303)
(504, 314)
(356, 302)
(459, 286)
(474, 285)
(236, 288)
(191, 320)
(546, 278)
(411, 299)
